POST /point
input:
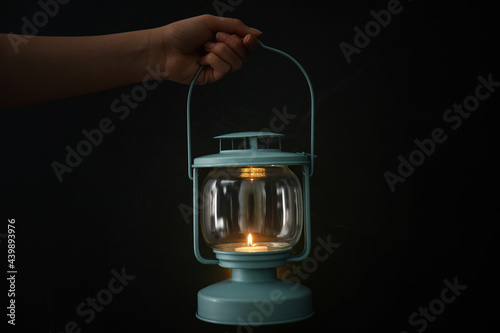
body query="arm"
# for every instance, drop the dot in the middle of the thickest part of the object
(48, 68)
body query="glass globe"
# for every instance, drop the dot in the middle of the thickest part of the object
(252, 208)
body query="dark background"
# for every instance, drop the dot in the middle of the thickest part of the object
(122, 206)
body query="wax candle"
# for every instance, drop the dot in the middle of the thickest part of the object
(252, 247)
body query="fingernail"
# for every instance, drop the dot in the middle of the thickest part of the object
(256, 31)
(209, 45)
(221, 36)
(250, 41)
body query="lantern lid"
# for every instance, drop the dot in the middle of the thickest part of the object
(253, 150)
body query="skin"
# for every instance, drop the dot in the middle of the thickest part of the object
(49, 68)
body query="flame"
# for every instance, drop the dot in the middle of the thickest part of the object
(249, 239)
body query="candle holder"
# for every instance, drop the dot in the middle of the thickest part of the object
(253, 211)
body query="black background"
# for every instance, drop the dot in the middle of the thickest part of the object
(120, 208)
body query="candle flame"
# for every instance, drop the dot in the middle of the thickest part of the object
(249, 239)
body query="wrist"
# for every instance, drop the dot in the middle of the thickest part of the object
(157, 54)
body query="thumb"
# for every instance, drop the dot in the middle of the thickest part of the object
(229, 25)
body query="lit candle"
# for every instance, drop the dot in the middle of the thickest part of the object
(252, 247)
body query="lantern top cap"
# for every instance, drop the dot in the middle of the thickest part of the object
(247, 135)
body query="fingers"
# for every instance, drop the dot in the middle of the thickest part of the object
(234, 43)
(230, 49)
(230, 53)
(215, 70)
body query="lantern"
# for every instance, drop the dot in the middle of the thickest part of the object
(253, 210)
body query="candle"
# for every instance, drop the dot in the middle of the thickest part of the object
(252, 247)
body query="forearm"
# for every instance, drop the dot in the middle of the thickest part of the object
(48, 68)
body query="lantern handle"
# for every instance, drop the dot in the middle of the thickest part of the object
(311, 154)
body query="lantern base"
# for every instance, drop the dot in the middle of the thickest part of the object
(254, 297)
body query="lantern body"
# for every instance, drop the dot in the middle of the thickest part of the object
(262, 201)
(253, 210)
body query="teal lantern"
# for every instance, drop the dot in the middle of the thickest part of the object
(253, 210)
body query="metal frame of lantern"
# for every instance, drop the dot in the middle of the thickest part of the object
(254, 295)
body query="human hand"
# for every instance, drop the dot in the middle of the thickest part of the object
(45, 68)
(221, 44)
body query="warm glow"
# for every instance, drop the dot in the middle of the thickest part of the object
(251, 247)
(253, 172)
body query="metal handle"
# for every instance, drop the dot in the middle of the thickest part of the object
(311, 171)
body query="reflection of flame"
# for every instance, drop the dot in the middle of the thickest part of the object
(252, 172)
(249, 239)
